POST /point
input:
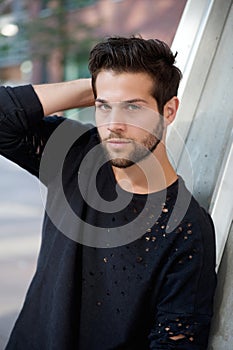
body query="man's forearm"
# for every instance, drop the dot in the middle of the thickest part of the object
(66, 95)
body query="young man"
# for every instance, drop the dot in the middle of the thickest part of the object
(128, 256)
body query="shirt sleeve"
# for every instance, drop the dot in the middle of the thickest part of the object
(24, 130)
(186, 298)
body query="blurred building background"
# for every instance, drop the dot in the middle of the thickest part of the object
(49, 40)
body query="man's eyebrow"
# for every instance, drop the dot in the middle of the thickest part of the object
(126, 101)
(100, 100)
(135, 100)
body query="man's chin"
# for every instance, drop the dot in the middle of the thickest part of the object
(121, 163)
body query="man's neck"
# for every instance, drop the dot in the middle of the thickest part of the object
(154, 173)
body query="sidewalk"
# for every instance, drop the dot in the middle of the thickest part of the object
(6, 323)
(21, 211)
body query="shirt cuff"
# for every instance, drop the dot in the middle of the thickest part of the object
(29, 101)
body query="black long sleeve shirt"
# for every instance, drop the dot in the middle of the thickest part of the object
(109, 276)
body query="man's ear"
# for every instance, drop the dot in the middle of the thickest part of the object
(170, 109)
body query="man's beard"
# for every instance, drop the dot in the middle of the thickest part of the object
(140, 150)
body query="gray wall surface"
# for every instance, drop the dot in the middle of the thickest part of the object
(213, 120)
(221, 337)
(204, 124)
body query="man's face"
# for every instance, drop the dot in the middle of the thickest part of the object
(127, 116)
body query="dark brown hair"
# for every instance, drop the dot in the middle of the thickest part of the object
(135, 54)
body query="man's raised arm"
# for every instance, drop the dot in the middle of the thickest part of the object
(56, 97)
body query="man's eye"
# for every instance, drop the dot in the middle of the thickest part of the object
(133, 107)
(103, 107)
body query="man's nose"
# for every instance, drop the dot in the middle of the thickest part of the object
(117, 120)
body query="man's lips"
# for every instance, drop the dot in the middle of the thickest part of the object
(117, 143)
